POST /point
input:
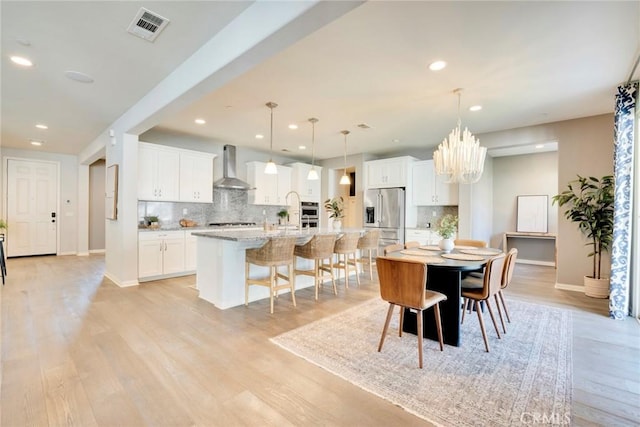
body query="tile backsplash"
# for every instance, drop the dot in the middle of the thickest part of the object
(433, 214)
(228, 206)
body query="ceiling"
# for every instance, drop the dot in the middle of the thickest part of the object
(526, 63)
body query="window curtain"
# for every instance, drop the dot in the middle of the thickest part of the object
(624, 130)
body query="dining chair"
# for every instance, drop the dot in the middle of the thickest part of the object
(507, 276)
(318, 249)
(491, 285)
(393, 248)
(402, 283)
(412, 244)
(470, 242)
(276, 252)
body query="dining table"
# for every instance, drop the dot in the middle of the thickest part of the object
(445, 271)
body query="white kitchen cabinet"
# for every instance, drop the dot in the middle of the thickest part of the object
(196, 177)
(387, 173)
(158, 172)
(422, 235)
(269, 189)
(430, 189)
(161, 253)
(309, 190)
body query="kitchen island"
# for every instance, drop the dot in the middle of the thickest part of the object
(220, 266)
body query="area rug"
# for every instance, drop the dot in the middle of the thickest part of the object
(525, 377)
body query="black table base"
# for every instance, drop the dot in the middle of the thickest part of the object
(445, 281)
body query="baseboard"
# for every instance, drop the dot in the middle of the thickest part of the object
(97, 251)
(66, 253)
(82, 254)
(535, 262)
(569, 287)
(126, 284)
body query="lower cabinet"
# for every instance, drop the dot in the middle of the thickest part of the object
(425, 236)
(190, 251)
(161, 253)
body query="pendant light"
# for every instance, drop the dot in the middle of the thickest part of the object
(460, 158)
(345, 180)
(271, 168)
(313, 173)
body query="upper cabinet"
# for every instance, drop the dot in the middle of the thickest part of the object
(174, 175)
(388, 173)
(429, 189)
(196, 177)
(158, 172)
(309, 190)
(269, 189)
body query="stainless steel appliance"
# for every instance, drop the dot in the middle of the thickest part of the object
(310, 214)
(384, 209)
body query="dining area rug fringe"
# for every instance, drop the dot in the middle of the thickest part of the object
(526, 378)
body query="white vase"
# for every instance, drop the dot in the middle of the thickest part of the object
(446, 245)
(337, 224)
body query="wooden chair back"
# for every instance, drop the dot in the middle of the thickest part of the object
(509, 266)
(393, 248)
(402, 281)
(412, 244)
(493, 276)
(470, 242)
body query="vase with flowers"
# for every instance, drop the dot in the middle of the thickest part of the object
(335, 207)
(447, 229)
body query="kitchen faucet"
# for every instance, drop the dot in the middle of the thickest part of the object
(299, 211)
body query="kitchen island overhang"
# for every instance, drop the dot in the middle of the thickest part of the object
(220, 268)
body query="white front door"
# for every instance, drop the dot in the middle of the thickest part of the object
(31, 207)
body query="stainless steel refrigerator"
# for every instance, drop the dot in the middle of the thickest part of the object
(384, 209)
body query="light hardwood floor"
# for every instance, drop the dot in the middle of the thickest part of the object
(78, 350)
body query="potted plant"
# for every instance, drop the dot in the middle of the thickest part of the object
(152, 221)
(589, 203)
(284, 216)
(335, 207)
(447, 229)
(3, 225)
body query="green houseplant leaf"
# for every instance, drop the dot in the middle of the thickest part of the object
(589, 203)
(335, 207)
(448, 226)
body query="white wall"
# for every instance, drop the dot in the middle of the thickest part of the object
(513, 176)
(585, 147)
(67, 197)
(97, 172)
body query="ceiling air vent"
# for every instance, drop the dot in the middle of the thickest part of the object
(147, 25)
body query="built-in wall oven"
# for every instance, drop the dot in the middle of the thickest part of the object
(310, 214)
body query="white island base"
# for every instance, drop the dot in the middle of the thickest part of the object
(221, 270)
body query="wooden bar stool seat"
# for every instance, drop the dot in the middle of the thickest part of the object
(346, 248)
(277, 252)
(368, 242)
(319, 248)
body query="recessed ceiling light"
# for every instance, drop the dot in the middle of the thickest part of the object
(540, 146)
(21, 61)
(259, 136)
(36, 142)
(293, 126)
(395, 141)
(41, 126)
(302, 147)
(437, 66)
(475, 108)
(200, 121)
(78, 76)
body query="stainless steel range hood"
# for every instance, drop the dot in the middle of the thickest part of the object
(229, 179)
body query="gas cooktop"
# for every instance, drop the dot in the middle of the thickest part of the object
(231, 224)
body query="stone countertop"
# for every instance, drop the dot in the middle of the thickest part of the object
(257, 235)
